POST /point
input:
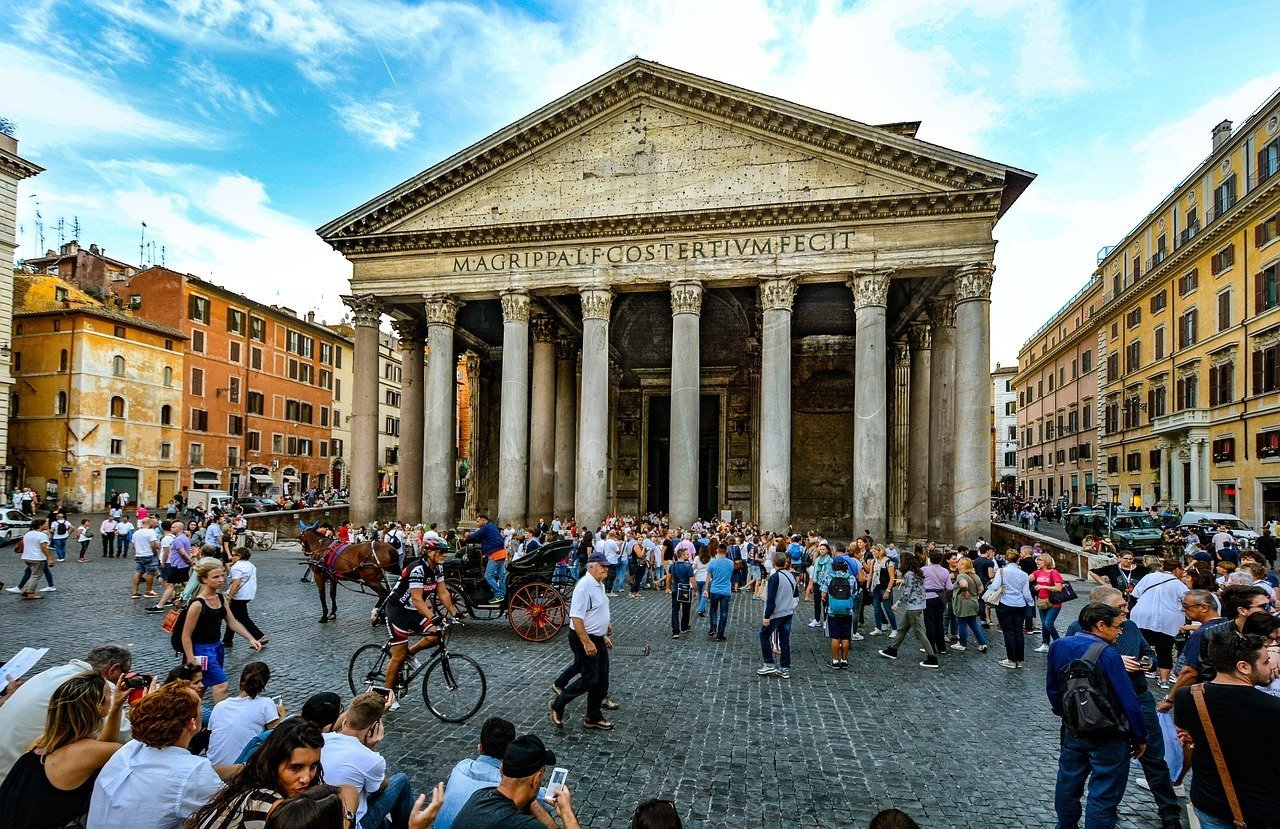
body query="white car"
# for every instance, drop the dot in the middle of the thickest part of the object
(13, 525)
(1206, 523)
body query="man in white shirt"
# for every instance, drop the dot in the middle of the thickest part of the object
(1222, 538)
(590, 642)
(37, 556)
(350, 758)
(609, 547)
(22, 718)
(146, 552)
(124, 531)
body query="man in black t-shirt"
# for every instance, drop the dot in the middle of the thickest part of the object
(514, 803)
(409, 614)
(1246, 722)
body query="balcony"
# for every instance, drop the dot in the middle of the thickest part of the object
(1178, 421)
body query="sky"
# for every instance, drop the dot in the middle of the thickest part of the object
(234, 128)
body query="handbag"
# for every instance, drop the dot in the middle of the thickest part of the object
(1237, 815)
(1067, 593)
(171, 618)
(1043, 604)
(993, 594)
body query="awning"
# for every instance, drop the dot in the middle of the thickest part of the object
(262, 479)
(293, 479)
(206, 477)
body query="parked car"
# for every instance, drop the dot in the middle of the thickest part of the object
(252, 505)
(13, 525)
(1134, 532)
(1207, 523)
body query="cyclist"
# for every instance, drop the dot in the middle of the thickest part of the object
(408, 611)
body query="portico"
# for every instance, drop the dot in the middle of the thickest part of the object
(687, 297)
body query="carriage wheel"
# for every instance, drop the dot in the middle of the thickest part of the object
(536, 612)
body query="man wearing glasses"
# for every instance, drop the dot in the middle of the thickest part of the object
(1239, 602)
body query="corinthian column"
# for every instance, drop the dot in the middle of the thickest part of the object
(566, 426)
(542, 419)
(409, 484)
(918, 454)
(439, 413)
(870, 418)
(942, 312)
(592, 481)
(686, 375)
(899, 439)
(513, 426)
(973, 403)
(776, 298)
(366, 312)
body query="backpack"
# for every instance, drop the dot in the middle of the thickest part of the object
(1089, 708)
(839, 595)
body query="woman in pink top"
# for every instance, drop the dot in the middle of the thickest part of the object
(142, 513)
(1047, 583)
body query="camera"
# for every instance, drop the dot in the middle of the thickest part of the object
(136, 680)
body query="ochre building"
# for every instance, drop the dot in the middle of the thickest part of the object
(679, 295)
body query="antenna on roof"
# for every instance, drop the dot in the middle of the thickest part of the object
(39, 225)
(61, 231)
(162, 256)
(142, 246)
(75, 227)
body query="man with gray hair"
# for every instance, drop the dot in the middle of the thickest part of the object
(22, 718)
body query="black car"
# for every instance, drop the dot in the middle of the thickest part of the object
(251, 505)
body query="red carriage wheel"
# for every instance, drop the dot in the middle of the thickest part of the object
(536, 612)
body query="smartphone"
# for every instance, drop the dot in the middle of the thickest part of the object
(278, 700)
(380, 690)
(558, 776)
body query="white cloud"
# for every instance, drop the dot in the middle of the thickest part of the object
(212, 89)
(384, 123)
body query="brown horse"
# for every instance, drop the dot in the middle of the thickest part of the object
(366, 562)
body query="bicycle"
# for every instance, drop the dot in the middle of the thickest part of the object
(453, 685)
(260, 539)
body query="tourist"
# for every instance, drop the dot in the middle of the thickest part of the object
(124, 535)
(683, 587)
(1047, 583)
(486, 534)
(719, 591)
(513, 803)
(656, 814)
(701, 560)
(1123, 574)
(237, 720)
(913, 605)
(984, 566)
(322, 710)
(881, 583)
(107, 531)
(817, 589)
(319, 807)
(243, 588)
(937, 586)
(1011, 613)
(49, 786)
(38, 558)
(1239, 602)
(60, 532)
(1157, 611)
(589, 640)
(482, 772)
(782, 594)
(965, 604)
(146, 550)
(201, 627)
(350, 758)
(175, 549)
(840, 589)
(1099, 757)
(83, 534)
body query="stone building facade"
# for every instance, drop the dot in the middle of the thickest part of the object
(389, 396)
(1004, 429)
(682, 296)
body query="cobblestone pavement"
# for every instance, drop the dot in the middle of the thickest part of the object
(1053, 529)
(696, 726)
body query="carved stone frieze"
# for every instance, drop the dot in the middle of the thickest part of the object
(973, 281)
(515, 305)
(442, 309)
(543, 328)
(597, 302)
(777, 293)
(411, 333)
(686, 297)
(942, 312)
(366, 309)
(920, 337)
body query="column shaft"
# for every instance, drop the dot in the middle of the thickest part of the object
(1196, 497)
(367, 310)
(592, 482)
(686, 377)
(870, 418)
(413, 366)
(973, 403)
(1175, 473)
(439, 414)
(513, 437)
(918, 454)
(542, 421)
(899, 440)
(566, 427)
(1165, 496)
(777, 296)
(941, 447)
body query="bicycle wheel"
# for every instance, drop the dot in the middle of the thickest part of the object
(264, 543)
(454, 687)
(368, 667)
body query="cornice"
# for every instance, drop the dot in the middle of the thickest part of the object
(18, 167)
(855, 210)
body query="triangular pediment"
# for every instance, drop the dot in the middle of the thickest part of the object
(645, 139)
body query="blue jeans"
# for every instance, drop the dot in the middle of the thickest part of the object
(702, 598)
(395, 800)
(1155, 768)
(964, 624)
(1211, 822)
(882, 603)
(495, 572)
(26, 575)
(719, 612)
(620, 579)
(783, 627)
(60, 548)
(1047, 617)
(1104, 764)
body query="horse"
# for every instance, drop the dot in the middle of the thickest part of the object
(366, 562)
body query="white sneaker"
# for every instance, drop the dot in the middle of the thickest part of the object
(893, 634)
(13, 590)
(1042, 649)
(48, 590)
(872, 632)
(857, 637)
(815, 624)
(1005, 663)
(958, 647)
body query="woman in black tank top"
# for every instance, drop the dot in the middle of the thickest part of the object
(202, 628)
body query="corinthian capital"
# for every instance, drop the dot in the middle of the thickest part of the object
(410, 333)
(777, 293)
(596, 303)
(515, 305)
(973, 281)
(442, 309)
(870, 287)
(686, 297)
(566, 348)
(543, 328)
(942, 311)
(366, 309)
(901, 353)
(921, 339)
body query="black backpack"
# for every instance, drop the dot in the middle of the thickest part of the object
(1089, 707)
(839, 588)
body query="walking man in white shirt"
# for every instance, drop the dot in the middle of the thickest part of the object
(146, 552)
(37, 556)
(589, 639)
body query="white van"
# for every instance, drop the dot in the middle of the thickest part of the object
(210, 499)
(1207, 523)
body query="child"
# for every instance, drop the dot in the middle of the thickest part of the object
(83, 537)
(840, 589)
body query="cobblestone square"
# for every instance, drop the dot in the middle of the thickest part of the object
(697, 726)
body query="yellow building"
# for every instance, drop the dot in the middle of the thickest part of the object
(96, 403)
(1189, 337)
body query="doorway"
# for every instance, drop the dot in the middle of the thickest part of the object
(658, 455)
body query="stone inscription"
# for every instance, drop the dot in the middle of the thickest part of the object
(628, 254)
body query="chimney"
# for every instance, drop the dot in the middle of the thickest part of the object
(1221, 134)
(311, 316)
(93, 249)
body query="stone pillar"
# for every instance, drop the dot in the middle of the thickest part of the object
(366, 312)
(592, 483)
(409, 487)
(542, 420)
(776, 298)
(1165, 495)
(439, 419)
(1198, 498)
(513, 432)
(918, 453)
(972, 395)
(899, 439)
(870, 417)
(566, 456)
(942, 313)
(686, 397)
(1175, 474)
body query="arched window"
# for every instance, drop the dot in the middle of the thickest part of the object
(61, 406)
(62, 360)
(168, 377)
(166, 414)
(117, 366)
(117, 406)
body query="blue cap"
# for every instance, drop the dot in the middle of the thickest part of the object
(598, 557)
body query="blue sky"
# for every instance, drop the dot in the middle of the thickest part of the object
(235, 127)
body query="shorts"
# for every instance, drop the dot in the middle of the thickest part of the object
(175, 575)
(145, 564)
(215, 654)
(401, 625)
(839, 627)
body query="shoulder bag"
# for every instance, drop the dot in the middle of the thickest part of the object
(995, 591)
(1237, 815)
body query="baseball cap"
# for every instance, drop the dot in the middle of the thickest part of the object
(525, 756)
(431, 534)
(322, 709)
(597, 557)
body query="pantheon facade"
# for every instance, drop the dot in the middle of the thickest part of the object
(675, 295)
